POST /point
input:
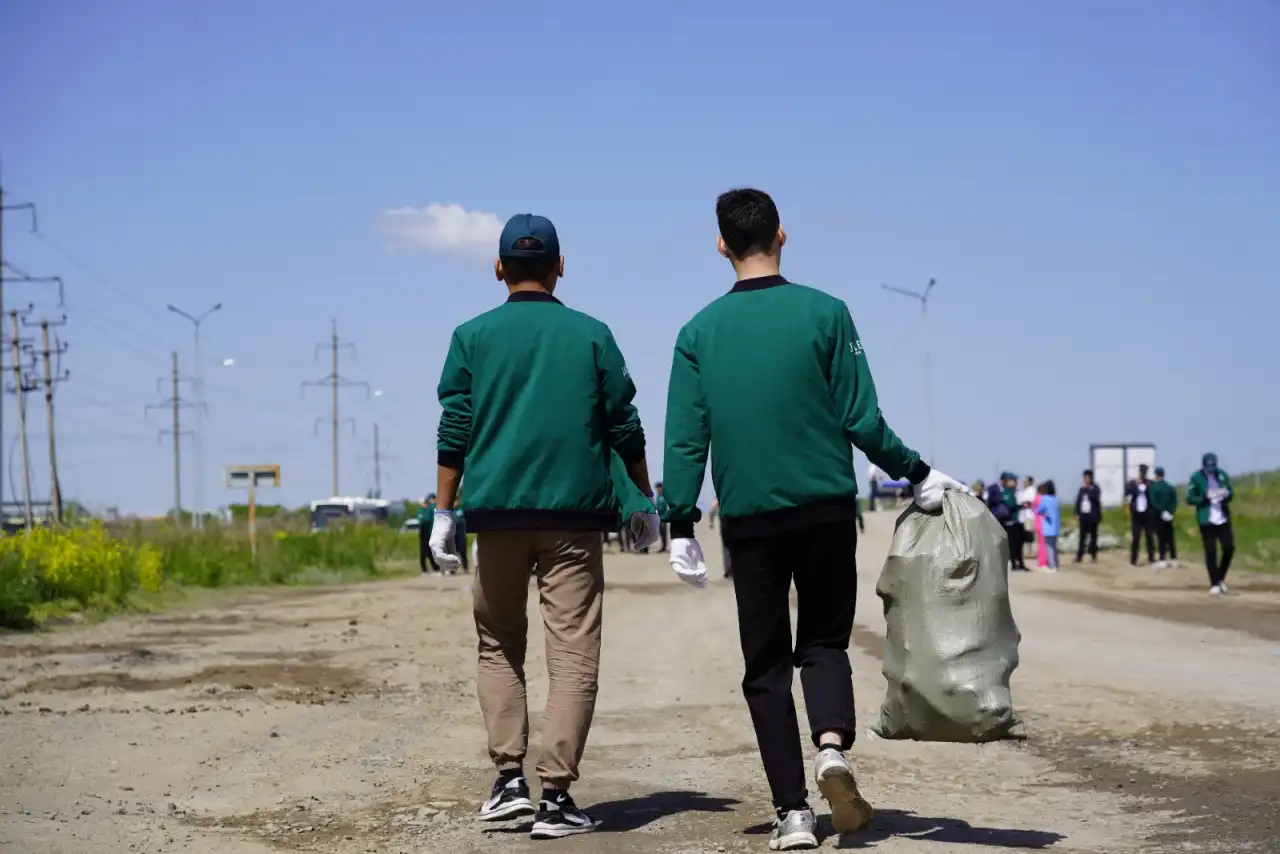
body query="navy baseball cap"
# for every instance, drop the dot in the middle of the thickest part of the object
(1160, 471)
(529, 236)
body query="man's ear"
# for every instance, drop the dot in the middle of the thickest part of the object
(497, 269)
(782, 237)
(560, 268)
(722, 249)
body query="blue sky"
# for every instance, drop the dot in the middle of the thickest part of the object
(1095, 185)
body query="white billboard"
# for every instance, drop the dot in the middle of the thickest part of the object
(1115, 464)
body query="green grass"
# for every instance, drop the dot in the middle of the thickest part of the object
(1255, 521)
(85, 572)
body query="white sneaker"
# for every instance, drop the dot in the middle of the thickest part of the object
(1215, 590)
(795, 831)
(1159, 565)
(834, 776)
(1173, 564)
(1224, 588)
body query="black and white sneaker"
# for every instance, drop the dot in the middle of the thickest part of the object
(559, 816)
(509, 799)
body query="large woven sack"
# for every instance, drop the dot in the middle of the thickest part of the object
(951, 643)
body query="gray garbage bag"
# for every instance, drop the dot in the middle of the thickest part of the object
(951, 643)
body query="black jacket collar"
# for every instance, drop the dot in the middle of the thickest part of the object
(533, 296)
(758, 283)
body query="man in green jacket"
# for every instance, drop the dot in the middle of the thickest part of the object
(771, 380)
(1164, 504)
(1209, 491)
(536, 399)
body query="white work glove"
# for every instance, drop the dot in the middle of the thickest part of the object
(688, 562)
(928, 492)
(1166, 516)
(443, 547)
(644, 528)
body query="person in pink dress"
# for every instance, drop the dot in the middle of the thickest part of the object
(1042, 554)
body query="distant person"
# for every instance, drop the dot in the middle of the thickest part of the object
(1027, 497)
(874, 476)
(857, 508)
(1089, 514)
(771, 381)
(1140, 516)
(1164, 504)
(426, 513)
(713, 513)
(1002, 499)
(1210, 492)
(978, 490)
(660, 502)
(533, 397)
(1049, 514)
(460, 533)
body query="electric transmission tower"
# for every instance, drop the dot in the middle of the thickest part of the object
(48, 380)
(335, 381)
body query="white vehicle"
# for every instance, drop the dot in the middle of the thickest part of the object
(342, 509)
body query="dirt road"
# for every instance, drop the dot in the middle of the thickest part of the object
(343, 720)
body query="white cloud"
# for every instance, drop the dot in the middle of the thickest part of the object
(442, 230)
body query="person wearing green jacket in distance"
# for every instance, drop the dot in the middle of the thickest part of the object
(771, 380)
(1209, 491)
(535, 398)
(425, 514)
(1163, 496)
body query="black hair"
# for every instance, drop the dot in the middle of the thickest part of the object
(658, 484)
(748, 221)
(1049, 488)
(1143, 467)
(517, 270)
(1088, 472)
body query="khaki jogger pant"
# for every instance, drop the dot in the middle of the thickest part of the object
(569, 568)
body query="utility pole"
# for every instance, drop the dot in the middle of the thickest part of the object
(50, 379)
(198, 390)
(928, 357)
(30, 208)
(176, 404)
(21, 388)
(335, 381)
(379, 457)
(377, 464)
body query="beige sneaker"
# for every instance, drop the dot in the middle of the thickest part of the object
(834, 776)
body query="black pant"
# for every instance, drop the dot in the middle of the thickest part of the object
(1016, 533)
(425, 557)
(664, 533)
(1089, 534)
(820, 560)
(1167, 539)
(1215, 535)
(1140, 524)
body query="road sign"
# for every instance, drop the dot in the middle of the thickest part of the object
(251, 478)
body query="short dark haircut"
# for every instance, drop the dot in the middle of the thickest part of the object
(1088, 472)
(1144, 468)
(517, 270)
(748, 221)
(1049, 488)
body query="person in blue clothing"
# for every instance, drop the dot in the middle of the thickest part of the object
(1050, 513)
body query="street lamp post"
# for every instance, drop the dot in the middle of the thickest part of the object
(923, 299)
(196, 320)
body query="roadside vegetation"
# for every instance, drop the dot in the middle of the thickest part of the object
(91, 569)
